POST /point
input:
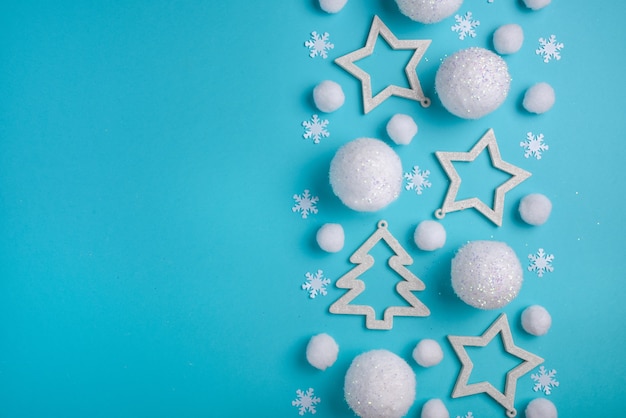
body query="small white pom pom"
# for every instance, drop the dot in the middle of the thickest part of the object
(321, 352)
(330, 237)
(539, 98)
(328, 96)
(428, 11)
(508, 39)
(332, 6)
(536, 4)
(427, 353)
(541, 408)
(536, 320)
(434, 408)
(535, 209)
(379, 384)
(401, 129)
(429, 235)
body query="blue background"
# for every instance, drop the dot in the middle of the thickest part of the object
(150, 263)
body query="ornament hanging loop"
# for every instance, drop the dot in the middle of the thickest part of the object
(382, 224)
(440, 214)
(511, 413)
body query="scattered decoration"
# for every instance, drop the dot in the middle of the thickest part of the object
(506, 399)
(414, 92)
(540, 408)
(305, 204)
(401, 129)
(322, 351)
(536, 320)
(549, 49)
(429, 235)
(428, 11)
(427, 353)
(332, 6)
(544, 380)
(451, 205)
(318, 45)
(328, 96)
(534, 145)
(316, 284)
(508, 39)
(539, 98)
(316, 129)
(366, 174)
(468, 415)
(472, 82)
(535, 209)
(378, 383)
(417, 180)
(465, 25)
(306, 401)
(434, 408)
(541, 262)
(330, 237)
(536, 4)
(404, 288)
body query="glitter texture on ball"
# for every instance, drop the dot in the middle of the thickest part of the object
(366, 174)
(428, 11)
(472, 83)
(401, 129)
(486, 274)
(328, 96)
(508, 39)
(322, 351)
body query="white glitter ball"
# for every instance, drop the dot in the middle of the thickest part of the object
(401, 129)
(541, 408)
(321, 352)
(535, 209)
(330, 237)
(508, 39)
(379, 384)
(486, 274)
(366, 174)
(434, 408)
(428, 11)
(536, 4)
(539, 98)
(472, 83)
(429, 235)
(332, 6)
(328, 96)
(427, 353)
(536, 320)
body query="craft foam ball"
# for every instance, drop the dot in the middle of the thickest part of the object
(330, 237)
(427, 353)
(401, 129)
(536, 320)
(428, 11)
(328, 96)
(321, 352)
(366, 174)
(429, 235)
(472, 83)
(539, 98)
(486, 274)
(332, 6)
(508, 39)
(535, 208)
(434, 408)
(541, 408)
(536, 4)
(379, 384)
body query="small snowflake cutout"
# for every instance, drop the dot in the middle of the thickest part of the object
(534, 145)
(417, 180)
(544, 380)
(549, 48)
(305, 204)
(305, 401)
(541, 262)
(318, 45)
(316, 284)
(465, 26)
(315, 128)
(468, 415)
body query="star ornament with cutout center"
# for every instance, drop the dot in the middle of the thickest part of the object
(347, 62)
(450, 204)
(506, 399)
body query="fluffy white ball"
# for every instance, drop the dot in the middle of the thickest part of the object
(472, 83)
(536, 4)
(330, 237)
(379, 384)
(429, 235)
(401, 129)
(366, 174)
(428, 353)
(434, 408)
(328, 96)
(539, 98)
(428, 11)
(332, 6)
(321, 351)
(536, 320)
(535, 209)
(541, 408)
(508, 39)
(486, 274)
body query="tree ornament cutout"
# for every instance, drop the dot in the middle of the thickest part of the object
(413, 93)
(494, 214)
(506, 399)
(404, 288)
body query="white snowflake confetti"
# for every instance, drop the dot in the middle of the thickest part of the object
(541, 262)
(549, 48)
(318, 45)
(316, 129)
(544, 380)
(316, 284)
(534, 145)
(465, 26)
(306, 401)
(417, 180)
(305, 204)
(468, 415)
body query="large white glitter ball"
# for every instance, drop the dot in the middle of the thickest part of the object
(541, 408)
(379, 384)
(486, 274)
(322, 351)
(472, 83)
(428, 11)
(366, 174)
